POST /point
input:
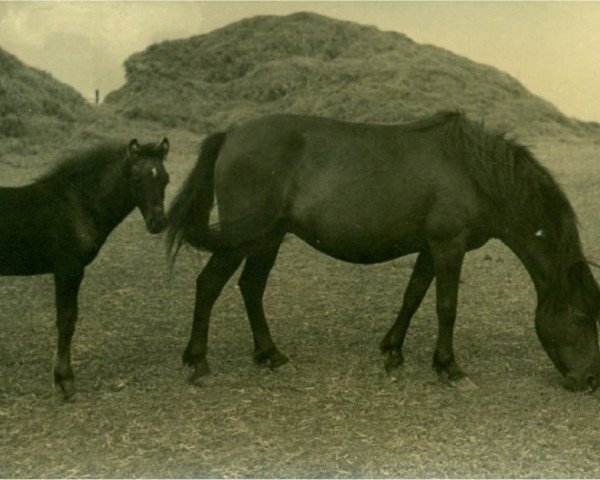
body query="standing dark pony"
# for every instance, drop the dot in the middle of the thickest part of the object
(59, 223)
(365, 193)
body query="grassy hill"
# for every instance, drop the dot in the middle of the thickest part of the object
(28, 92)
(34, 104)
(41, 117)
(307, 63)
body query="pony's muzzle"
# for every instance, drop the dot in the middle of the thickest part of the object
(592, 382)
(156, 220)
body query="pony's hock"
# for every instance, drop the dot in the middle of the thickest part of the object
(59, 223)
(364, 193)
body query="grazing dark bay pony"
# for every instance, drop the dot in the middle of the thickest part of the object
(365, 193)
(59, 223)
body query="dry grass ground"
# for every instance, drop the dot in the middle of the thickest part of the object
(333, 412)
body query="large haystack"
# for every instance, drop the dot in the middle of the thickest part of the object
(307, 63)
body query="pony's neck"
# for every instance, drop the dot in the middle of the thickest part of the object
(111, 200)
(536, 265)
(547, 267)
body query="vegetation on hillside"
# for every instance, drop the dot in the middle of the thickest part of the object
(307, 63)
(33, 101)
(40, 114)
(29, 91)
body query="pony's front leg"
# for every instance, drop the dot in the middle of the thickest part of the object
(448, 257)
(209, 284)
(417, 287)
(66, 283)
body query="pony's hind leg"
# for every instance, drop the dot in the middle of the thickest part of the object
(252, 285)
(66, 284)
(209, 284)
(417, 287)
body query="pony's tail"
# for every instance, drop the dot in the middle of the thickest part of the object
(190, 210)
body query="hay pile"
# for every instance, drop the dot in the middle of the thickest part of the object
(307, 63)
(41, 117)
(33, 101)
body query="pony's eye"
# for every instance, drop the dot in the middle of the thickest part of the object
(541, 233)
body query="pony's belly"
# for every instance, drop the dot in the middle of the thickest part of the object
(19, 265)
(362, 247)
(22, 258)
(366, 235)
(366, 256)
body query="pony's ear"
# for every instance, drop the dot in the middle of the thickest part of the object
(164, 147)
(133, 149)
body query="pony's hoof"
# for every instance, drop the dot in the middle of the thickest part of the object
(278, 361)
(464, 384)
(205, 380)
(201, 375)
(67, 387)
(460, 382)
(393, 361)
(286, 368)
(75, 397)
(273, 359)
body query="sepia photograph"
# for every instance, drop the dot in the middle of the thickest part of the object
(299, 239)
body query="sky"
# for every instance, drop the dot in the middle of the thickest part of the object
(552, 48)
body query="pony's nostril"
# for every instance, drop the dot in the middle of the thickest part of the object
(156, 224)
(592, 382)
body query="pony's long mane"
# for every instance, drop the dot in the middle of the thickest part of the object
(84, 165)
(503, 169)
(83, 168)
(508, 174)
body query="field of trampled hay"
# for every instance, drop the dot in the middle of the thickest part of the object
(332, 412)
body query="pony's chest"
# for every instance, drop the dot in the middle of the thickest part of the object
(85, 238)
